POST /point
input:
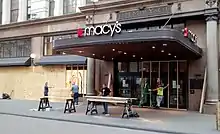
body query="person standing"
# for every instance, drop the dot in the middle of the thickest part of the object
(46, 92)
(160, 96)
(75, 93)
(105, 91)
(46, 89)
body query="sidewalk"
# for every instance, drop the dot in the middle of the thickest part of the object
(150, 120)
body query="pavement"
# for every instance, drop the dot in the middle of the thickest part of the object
(157, 121)
(23, 125)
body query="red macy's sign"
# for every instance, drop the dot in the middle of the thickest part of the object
(100, 30)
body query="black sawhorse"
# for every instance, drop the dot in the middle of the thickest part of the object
(128, 112)
(44, 103)
(69, 106)
(91, 107)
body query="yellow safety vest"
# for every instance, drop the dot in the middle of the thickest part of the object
(160, 91)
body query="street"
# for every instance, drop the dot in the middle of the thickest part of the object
(24, 125)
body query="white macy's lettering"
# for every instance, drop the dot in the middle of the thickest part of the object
(103, 29)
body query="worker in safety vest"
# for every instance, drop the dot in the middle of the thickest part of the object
(160, 96)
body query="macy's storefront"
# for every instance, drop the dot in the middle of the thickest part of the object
(135, 57)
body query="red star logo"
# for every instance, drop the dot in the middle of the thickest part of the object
(80, 32)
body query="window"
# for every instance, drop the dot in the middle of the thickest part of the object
(51, 7)
(15, 48)
(49, 42)
(29, 10)
(0, 11)
(69, 6)
(14, 10)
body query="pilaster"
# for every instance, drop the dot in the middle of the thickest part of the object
(6, 12)
(97, 75)
(22, 12)
(90, 76)
(58, 10)
(212, 59)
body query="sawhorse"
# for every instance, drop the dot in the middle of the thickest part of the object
(44, 103)
(92, 109)
(128, 112)
(69, 106)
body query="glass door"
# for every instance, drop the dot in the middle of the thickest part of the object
(141, 84)
(155, 76)
(164, 77)
(173, 82)
(145, 94)
(125, 85)
(182, 85)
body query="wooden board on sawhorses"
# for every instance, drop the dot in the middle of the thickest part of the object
(127, 112)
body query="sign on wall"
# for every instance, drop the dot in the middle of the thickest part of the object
(144, 13)
(105, 29)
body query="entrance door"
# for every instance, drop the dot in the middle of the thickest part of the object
(140, 84)
(130, 84)
(173, 73)
(164, 77)
(173, 84)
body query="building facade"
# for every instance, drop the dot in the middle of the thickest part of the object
(127, 43)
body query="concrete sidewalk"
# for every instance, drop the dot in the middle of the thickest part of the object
(151, 120)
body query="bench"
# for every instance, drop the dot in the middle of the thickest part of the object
(127, 102)
(69, 104)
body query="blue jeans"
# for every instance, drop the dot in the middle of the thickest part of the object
(159, 100)
(105, 105)
(76, 98)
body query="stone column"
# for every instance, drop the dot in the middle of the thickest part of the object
(90, 76)
(212, 60)
(6, 11)
(37, 46)
(58, 10)
(22, 13)
(97, 75)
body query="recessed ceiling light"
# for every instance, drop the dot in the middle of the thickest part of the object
(119, 52)
(134, 56)
(162, 51)
(103, 57)
(64, 53)
(80, 51)
(113, 49)
(164, 45)
(141, 58)
(153, 47)
(125, 53)
(112, 58)
(169, 53)
(93, 54)
(174, 56)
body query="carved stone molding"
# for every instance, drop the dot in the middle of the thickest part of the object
(212, 18)
(210, 3)
(89, 19)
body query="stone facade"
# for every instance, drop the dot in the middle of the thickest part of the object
(106, 11)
